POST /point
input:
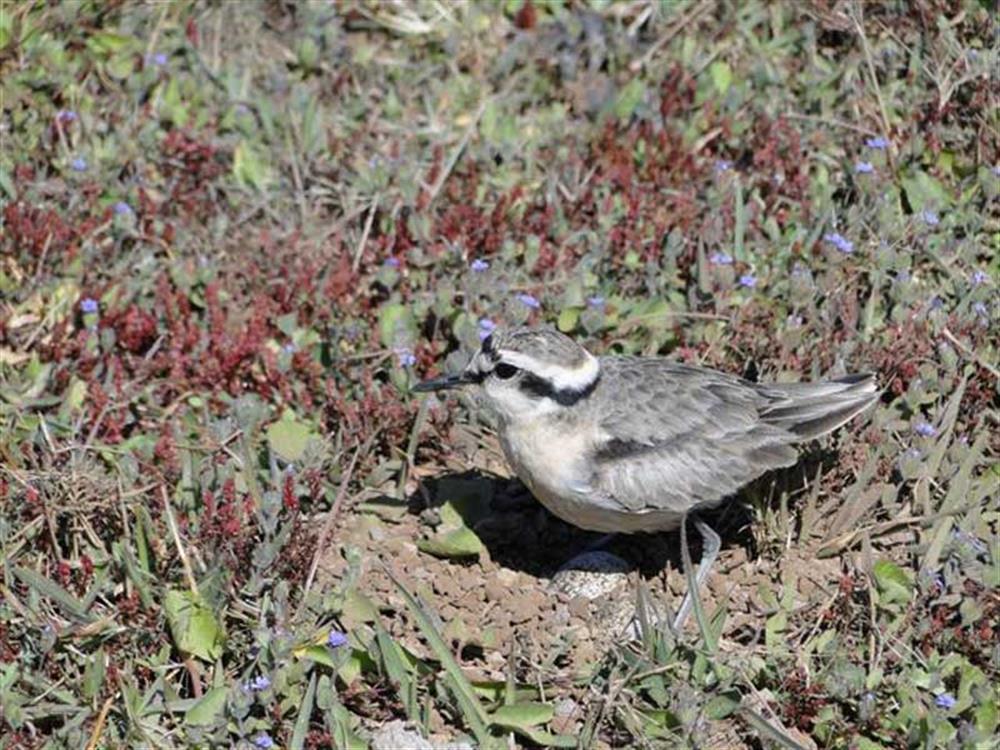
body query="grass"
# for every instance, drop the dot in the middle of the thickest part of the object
(233, 235)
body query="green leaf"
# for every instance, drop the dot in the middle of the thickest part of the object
(893, 582)
(629, 98)
(923, 191)
(456, 543)
(209, 708)
(722, 76)
(298, 740)
(722, 705)
(193, 625)
(250, 168)
(289, 437)
(106, 41)
(396, 326)
(93, 675)
(521, 715)
(51, 590)
(472, 710)
(568, 319)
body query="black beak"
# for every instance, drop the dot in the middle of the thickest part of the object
(441, 384)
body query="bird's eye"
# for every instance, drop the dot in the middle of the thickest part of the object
(505, 371)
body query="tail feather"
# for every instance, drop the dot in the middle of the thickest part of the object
(808, 410)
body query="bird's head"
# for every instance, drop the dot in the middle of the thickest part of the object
(526, 372)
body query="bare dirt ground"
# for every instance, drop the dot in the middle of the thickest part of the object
(511, 604)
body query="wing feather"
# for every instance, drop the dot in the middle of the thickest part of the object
(675, 437)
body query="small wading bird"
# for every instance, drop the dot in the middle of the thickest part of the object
(630, 444)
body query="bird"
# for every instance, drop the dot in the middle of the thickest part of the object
(628, 444)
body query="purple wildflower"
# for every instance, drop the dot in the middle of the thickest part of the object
(406, 357)
(65, 116)
(528, 300)
(720, 259)
(878, 142)
(263, 741)
(843, 244)
(160, 59)
(930, 218)
(121, 208)
(925, 429)
(996, 171)
(748, 280)
(391, 262)
(979, 308)
(595, 301)
(979, 277)
(258, 683)
(723, 165)
(336, 639)
(79, 164)
(479, 265)
(486, 327)
(88, 305)
(946, 701)
(864, 167)
(290, 347)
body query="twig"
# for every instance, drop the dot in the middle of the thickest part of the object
(456, 153)
(172, 523)
(364, 234)
(971, 354)
(98, 730)
(856, 17)
(639, 63)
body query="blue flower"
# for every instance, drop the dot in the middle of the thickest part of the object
(864, 167)
(406, 357)
(391, 263)
(79, 164)
(479, 265)
(486, 327)
(930, 218)
(878, 142)
(263, 741)
(595, 301)
(723, 165)
(160, 59)
(336, 639)
(290, 347)
(528, 301)
(258, 683)
(945, 700)
(89, 305)
(979, 277)
(121, 208)
(66, 115)
(843, 244)
(748, 280)
(721, 259)
(979, 308)
(925, 429)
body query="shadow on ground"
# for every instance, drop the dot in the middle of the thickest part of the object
(521, 535)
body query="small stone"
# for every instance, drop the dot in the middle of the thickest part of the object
(579, 606)
(397, 734)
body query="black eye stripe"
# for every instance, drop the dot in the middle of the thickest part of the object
(505, 370)
(537, 387)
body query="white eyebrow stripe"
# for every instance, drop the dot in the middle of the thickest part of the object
(562, 378)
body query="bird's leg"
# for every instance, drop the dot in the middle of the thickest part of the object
(710, 546)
